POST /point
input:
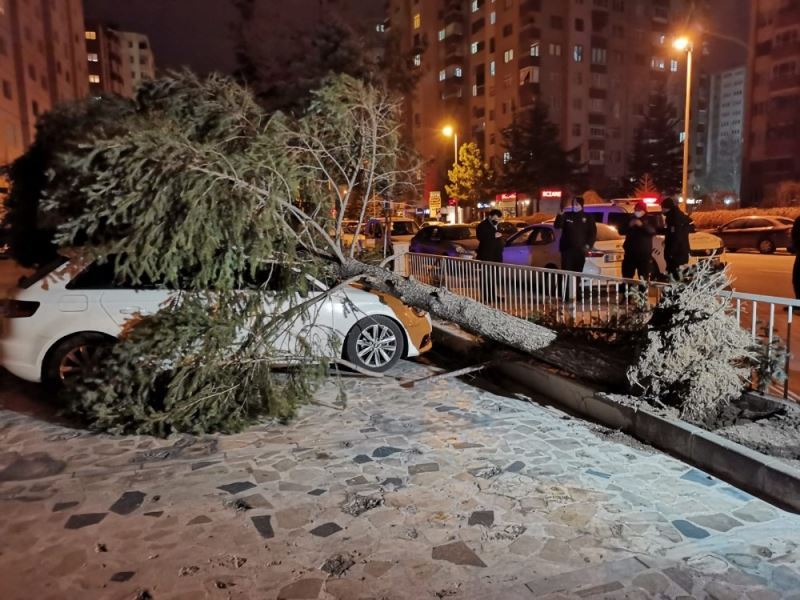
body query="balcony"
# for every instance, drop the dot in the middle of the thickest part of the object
(529, 61)
(530, 5)
(784, 83)
(792, 49)
(452, 87)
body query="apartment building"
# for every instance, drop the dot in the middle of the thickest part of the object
(726, 130)
(106, 50)
(595, 63)
(772, 141)
(42, 63)
(137, 57)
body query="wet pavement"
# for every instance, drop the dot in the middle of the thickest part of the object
(444, 490)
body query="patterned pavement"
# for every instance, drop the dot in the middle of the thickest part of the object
(444, 490)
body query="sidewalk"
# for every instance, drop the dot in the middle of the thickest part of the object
(476, 496)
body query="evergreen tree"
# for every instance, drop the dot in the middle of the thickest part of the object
(657, 148)
(535, 158)
(471, 180)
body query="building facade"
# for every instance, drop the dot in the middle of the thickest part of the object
(106, 50)
(594, 63)
(726, 130)
(772, 141)
(137, 57)
(42, 63)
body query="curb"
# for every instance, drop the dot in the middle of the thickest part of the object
(754, 472)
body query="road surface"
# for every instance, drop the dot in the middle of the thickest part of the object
(768, 275)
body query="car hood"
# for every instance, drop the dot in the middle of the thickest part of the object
(704, 241)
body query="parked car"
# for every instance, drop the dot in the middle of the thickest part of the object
(446, 240)
(402, 229)
(53, 325)
(703, 246)
(537, 246)
(764, 233)
(432, 222)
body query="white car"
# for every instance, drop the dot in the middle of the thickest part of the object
(53, 324)
(702, 246)
(537, 246)
(403, 230)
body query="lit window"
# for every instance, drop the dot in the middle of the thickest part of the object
(555, 49)
(93, 57)
(577, 53)
(493, 18)
(91, 35)
(508, 56)
(417, 60)
(506, 157)
(380, 27)
(458, 72)
(442, 75)
(473, 47)
(492, 68)
(442, 34)
(417, 21)
(94, 78)
(476, 5)
(535, 49)
(673, 65)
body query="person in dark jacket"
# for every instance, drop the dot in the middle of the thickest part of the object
(490, 241)
(490, 249)
(638, 244)
(796, 250)
(676, 242)
(578, 235)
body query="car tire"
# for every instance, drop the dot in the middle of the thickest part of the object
(375, 343)
(73, 356)
(766, 246)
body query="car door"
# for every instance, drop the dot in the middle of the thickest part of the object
(544, 248)
(735, 234)
(517, 251)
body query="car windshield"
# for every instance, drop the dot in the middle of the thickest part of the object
(607, 234)
(41, 272)
(404, 228)
(784, 220)
(458, 233)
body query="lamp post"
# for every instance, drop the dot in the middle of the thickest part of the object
(684, 43)
(449, 131)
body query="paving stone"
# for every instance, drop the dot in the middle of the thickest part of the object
(683, 577)
(127, 503)
(385, 451)
(599, 590)
(325, 530)
(515, 467)
(122, 576)
(652, 582)
(587, 577)
(395, 482)
(199, 520)
(689, 530)
(305, 589)
(423, 468)
(263, 524)
(154, 513)
(599, 474)
(288, 486)
(482, 517)
(316, 492)
(202, 465)
(466, 445)
(84, 520)
(786, 579)
(360, 480)
(237, 487)
(446, 408)
(696, 476)
(31, 466)
(718, 522)
(256, 501)
(755, 512)
(457, 553)
(59, 506)
(361, 459)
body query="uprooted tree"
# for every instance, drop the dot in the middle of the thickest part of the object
(197, 188)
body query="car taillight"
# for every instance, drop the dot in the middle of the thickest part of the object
(595, 254)
(17, 309)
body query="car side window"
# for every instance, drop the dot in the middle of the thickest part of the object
(754, 223)
(617, 220)
(435, 234)
(734, 225)
(101, 276)
(521, 239)
(542, 237)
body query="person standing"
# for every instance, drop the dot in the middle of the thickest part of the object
(638, 244)
(490, 249)
(490, 241)
(796, 250)
(578, 235)
(676, 242)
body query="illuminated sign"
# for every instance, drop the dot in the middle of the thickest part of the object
(552, 194)
(434, 202)
(650, 200)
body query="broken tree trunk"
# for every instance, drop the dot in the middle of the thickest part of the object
(470, 315)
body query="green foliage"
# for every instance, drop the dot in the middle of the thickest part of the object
(657, 149)
(65, 129)
(471, 180)
(197, 190)
(536, 158)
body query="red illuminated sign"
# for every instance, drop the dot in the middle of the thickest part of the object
(552, 193)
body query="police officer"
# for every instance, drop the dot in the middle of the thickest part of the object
(638, 244)
(676, 242)
(579, 234)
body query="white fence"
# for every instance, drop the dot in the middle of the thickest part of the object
(593, 300)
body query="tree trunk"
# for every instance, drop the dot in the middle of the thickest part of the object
(470, 315)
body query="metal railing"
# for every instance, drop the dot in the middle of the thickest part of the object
(584, 299)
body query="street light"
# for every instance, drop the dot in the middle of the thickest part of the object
(449, 131)
(685, 44)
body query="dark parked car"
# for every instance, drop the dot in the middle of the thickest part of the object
(506, 228)
(446, 240)
(764, 233)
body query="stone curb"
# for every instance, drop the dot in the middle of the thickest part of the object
(756, 473)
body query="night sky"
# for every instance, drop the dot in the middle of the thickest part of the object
(197, 32)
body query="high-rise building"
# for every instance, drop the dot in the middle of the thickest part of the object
(105, 49)
(42, 63)
(137, 57)
(725, 130)
(772, 140)
(594, 63)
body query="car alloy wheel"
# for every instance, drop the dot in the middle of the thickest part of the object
(766, 246)
(78, 361)
(376, 345)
